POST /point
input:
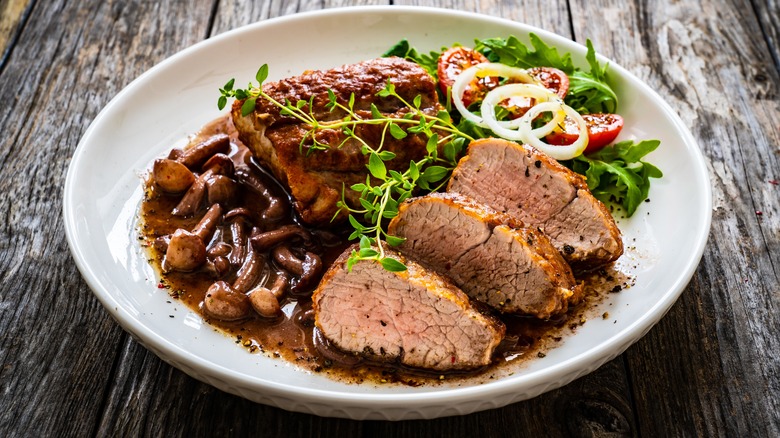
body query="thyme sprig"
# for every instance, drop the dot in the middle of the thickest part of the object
(384, 189)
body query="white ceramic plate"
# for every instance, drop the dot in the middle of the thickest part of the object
(175, 98)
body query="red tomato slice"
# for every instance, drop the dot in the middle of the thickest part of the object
(453, 62)
(553, 79)
(602, 130)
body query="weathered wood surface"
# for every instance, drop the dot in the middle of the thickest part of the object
(709, 368)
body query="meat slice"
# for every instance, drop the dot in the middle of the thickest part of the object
(414, 317)
(540, 192)
(486, 253)
(315, 178)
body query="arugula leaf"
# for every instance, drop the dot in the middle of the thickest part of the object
(513, 52)
(617, 173)
(589, 92)
(429, 62)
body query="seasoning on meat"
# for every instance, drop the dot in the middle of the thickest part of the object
(552, 198)
(414, 317)
(487, 254)
(316, 179)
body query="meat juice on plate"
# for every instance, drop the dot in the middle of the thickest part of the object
(291, 334)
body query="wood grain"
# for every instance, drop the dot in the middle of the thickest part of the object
(710, 367)
(710, 61)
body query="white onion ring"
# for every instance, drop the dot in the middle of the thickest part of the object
(508, 129)
(484, 69)
(566, 152)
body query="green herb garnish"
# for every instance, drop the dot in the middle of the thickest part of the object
(384, 189)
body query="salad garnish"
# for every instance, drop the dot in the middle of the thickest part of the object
(555, 107)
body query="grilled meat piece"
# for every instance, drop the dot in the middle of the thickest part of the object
(487, 254)
(414, 317)
(540, 192)
(316, 178)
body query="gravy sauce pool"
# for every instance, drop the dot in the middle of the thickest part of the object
(292, 336)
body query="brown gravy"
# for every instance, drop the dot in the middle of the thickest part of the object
(292, 336)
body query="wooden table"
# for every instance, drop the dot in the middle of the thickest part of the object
(711, 367)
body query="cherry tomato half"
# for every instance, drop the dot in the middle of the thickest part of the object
(553, 79)
(453, 62)
(602, 130)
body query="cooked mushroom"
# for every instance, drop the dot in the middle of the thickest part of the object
(238, 221)
(172, 176)
(221, 190)
(198, 154)
(225, 303)
(276, 208)
(219, 164)
(230, 303)
(266, 301)
(308, 269)
(269, 239)
(186, 251)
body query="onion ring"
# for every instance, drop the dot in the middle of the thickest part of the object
(482, 70)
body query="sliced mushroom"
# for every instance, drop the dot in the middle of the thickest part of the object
(224, 303)
(172, 176)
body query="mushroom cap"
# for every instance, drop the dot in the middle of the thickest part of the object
(172, 176)
(186, 251)
(224, 303)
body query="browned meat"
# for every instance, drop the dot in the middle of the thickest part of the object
(316, 178)
(540, 192)
(415, 317)
(487, 254)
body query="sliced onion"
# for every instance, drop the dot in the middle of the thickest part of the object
(508, 129)
(566, 152)
(520, 129)
(482, 70)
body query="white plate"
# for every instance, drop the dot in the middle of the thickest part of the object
(175, 98)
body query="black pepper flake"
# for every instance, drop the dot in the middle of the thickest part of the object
(530, 241)
(540, 354)
(527, 173)
(568, 249)
(616, 289)
(538, 164)
(384, 324)
(647, 200)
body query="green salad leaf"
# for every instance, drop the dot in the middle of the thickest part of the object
(617, 172)
(589, 92)
(429, 62)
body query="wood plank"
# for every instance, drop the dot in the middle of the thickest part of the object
(11, 19)
(57, 343)
(710, 367)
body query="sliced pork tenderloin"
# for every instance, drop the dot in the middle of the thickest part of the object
(414, 317)
(540, 192)
(486, 253)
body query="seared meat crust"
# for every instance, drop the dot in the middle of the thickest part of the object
(540, 192)
(487, 254)
(316, 178)
(415, 317)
